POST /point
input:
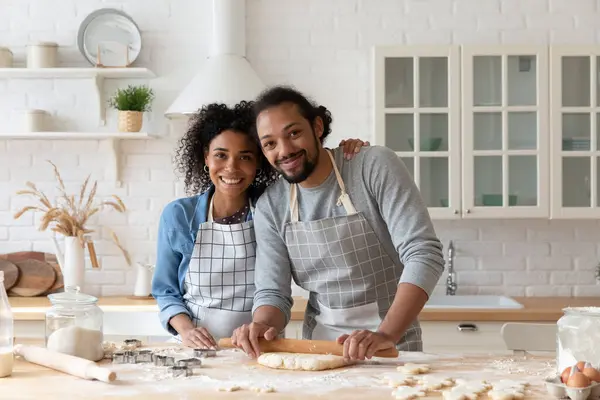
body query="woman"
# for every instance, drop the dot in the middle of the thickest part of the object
(204, 276)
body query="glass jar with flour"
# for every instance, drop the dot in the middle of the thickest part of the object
(74, 325)
(578, 335)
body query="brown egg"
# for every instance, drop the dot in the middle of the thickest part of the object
(592, 373)
(578, 380)
(564, 377)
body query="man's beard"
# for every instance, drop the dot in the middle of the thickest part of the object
(308, 166)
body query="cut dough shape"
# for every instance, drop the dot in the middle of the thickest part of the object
(431, 382)
(475, 386)
(508, 384)
(229, 388)
(459, 393)
(265, 389)
(78, 342)
(506, 394)
(397, 379)
(408, 393)
(414, 369)
(302, 362)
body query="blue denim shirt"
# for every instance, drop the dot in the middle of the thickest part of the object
(177, 230)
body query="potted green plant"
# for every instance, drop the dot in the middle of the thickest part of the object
(131, 103)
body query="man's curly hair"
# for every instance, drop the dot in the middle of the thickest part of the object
(204, 126)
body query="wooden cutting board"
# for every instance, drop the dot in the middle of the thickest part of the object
(11, 273)
(36, 278)
(40, 256)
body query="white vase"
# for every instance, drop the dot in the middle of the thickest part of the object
(143, 280)
(74, 263)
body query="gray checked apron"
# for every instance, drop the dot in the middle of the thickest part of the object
(219, 284)
(351, 280)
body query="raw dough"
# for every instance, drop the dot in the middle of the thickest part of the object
(265, 389)
(78, 342)
(302, 362)
(506, 389)
(431, 382)
(397, 379)
(229, 388)
(408, 393)
(459, 393)
(414, 369)
(475, 386)
(506, 394)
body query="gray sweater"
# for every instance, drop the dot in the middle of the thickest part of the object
(380, 187)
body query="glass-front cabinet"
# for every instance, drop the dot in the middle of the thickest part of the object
(505, 136)
(417, 115)
(575, 119)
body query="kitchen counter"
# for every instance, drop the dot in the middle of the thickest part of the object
(232, 367)
(538, 309)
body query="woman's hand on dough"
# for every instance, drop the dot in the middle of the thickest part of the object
(363, 344)
(352, 146)
(198, 338)
(246, 337)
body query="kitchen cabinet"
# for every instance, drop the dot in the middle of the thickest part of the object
(575, 95)
(463, 337)
(417, 114)
(481, 118)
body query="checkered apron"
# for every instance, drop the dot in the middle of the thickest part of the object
(219, 284)
(351, 280)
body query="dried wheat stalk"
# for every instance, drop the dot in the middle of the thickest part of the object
(70, 214)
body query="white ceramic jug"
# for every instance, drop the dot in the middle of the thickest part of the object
(72, 261)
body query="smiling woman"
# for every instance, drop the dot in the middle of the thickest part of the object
(204, 276)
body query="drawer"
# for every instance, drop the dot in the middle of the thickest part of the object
(467, 336)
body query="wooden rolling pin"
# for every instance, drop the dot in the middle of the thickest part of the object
(305, 346)
(66, 363)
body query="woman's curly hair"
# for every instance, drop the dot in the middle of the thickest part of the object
(204, 126)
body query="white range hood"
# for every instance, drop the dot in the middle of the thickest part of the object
(226, 76)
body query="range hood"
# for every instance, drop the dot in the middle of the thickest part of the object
(226, 77)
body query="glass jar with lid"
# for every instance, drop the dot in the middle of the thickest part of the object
(74, 324)
(577, 337)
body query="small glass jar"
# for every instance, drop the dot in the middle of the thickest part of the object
(577, 337)
(72, 310)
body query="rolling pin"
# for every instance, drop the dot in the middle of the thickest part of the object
(305, 346)
(66, 363)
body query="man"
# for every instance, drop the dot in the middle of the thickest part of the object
(355, 234)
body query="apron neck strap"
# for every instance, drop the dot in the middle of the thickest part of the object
(209, 216)
(344, 199)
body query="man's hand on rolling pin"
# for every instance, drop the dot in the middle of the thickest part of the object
(198, 338)
(363, 344)
(246, 337)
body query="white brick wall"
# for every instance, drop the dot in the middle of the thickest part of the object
(324, 48)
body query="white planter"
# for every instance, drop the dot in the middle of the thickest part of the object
(31, 120)
(42, 55)
(6, 57)
(74, 262)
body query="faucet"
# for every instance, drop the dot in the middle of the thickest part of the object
(451, 280)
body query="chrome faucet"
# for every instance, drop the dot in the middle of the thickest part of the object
(451, 280)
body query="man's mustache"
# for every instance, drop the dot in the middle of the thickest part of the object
(284, 159)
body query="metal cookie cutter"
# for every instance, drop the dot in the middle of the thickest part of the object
(134, 343)
(189, 362)
(179, 370)
(119, 357)
(203, 353)
(164, 361)
(144, 356)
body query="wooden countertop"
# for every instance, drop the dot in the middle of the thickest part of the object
(232, 367)
(540, 309)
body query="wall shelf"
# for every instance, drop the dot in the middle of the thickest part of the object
(110, 140)
(98, 75)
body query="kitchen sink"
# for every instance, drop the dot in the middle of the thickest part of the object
(472, 301)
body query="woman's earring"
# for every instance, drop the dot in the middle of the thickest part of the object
(205, 168)
(258, 171)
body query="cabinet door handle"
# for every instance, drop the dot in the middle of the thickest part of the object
(467, 327)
